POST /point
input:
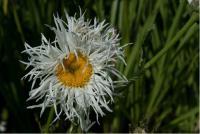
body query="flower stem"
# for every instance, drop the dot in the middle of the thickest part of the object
(50, 118)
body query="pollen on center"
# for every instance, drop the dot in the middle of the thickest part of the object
(75, 71)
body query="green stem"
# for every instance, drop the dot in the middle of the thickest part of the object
(49, 120)
(114, 12)
(135, 52)
(190, 113)
(176, 20)
(194, 29)
(171, 43)
(16, 18)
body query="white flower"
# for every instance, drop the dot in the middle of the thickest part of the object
(75, 70)
(2, 126)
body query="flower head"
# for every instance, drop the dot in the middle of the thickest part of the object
(75, 70)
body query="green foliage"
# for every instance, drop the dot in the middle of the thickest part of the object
(162, 63)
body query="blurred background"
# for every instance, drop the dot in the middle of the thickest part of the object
(162, 63)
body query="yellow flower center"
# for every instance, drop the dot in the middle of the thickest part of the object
(75, 71)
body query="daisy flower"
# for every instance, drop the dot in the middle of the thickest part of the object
(74, 73)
